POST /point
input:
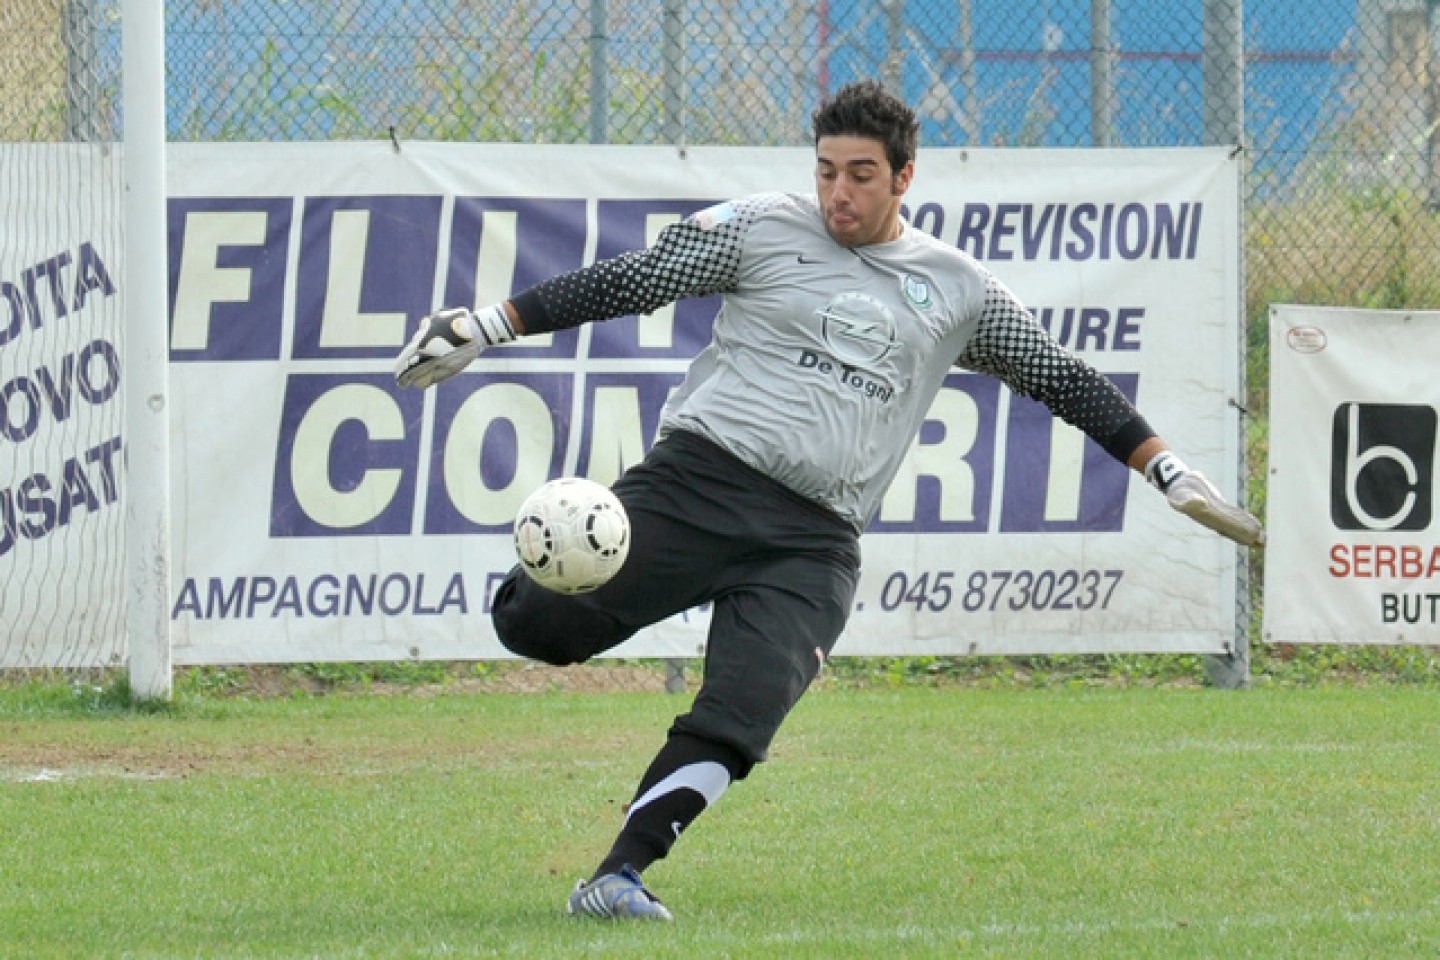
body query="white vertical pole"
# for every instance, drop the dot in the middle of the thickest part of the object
(147, 422)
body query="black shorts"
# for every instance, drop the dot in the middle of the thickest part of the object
(780, 570)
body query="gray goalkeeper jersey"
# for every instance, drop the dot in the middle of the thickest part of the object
(824, 359)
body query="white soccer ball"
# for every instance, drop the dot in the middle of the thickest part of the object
(572, 535)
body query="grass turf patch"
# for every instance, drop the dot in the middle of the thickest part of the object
(919, 822)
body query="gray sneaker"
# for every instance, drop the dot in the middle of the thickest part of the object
(616, 896)
(437, 351)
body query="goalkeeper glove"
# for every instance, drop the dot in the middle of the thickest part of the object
(1193, 495)
(447, 341)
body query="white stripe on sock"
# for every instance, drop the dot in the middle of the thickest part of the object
(707, 778)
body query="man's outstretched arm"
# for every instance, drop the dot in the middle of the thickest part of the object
(1011, 346)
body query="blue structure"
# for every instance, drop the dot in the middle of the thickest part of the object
(307, 69)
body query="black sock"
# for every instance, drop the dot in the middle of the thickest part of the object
(686, 776)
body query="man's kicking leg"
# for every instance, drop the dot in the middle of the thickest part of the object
(766, 646)
(686, 777)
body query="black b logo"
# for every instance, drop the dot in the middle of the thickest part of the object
(1382, 466)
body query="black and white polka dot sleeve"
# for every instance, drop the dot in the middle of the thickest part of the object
(696, 257)
(1011, 346)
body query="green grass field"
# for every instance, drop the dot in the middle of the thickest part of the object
(1141, 822)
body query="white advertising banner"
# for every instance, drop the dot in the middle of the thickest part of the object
(61, 413)
(321, 513)
(1354, 545)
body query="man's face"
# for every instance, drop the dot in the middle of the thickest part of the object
(859, 193)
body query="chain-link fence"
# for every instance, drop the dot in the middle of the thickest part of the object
(1339, 105)
(1336, 102)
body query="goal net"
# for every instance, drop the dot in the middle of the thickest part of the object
(62, 556)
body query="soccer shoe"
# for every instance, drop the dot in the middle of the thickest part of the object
(438, 350)
(616, 896)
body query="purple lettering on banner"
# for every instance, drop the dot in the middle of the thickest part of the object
(972, 469)
(246, 329)
(20, 409)
(974, 221)
(8, 531)
(622, 226)
(1004, 229)
(1127, 328)
(1132, 231)
(549, 239)
(33, 497)
(53, 270)
(395, 275)
(92, 276)
(1082, 247)
(1177, 230)
(324, 456)
(1103, 479)
(930, 218)
(1035, 230)
(1093, 323)
(516, 427)
(14, 304)
(98, 387)
(627, 418)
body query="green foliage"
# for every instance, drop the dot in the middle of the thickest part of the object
(85, 693)
(315, 679)
(1323, 665)
(1029, 672)
(365, 674)
(107, 693)
(1367, 246)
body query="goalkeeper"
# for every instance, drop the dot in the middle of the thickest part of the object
(838, 323)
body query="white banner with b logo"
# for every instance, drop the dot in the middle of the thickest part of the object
(1354, 554)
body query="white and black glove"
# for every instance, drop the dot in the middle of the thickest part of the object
(447, 341)
(1193, 495)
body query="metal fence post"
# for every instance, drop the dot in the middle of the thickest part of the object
(1223, 69)
(1432, 110)
(1223, 72)
(672, 58)
(675, 675)
(599, 72)
(1102, 80)
(894, 39)
(79, 41)
(970, 120)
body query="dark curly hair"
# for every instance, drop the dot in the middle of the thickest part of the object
(865, 109)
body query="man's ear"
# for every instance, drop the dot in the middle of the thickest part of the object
(900, 182)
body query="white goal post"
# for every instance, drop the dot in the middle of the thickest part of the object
(147, 396)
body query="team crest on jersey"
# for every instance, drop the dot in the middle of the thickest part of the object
(858, 329)
(917, 291)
